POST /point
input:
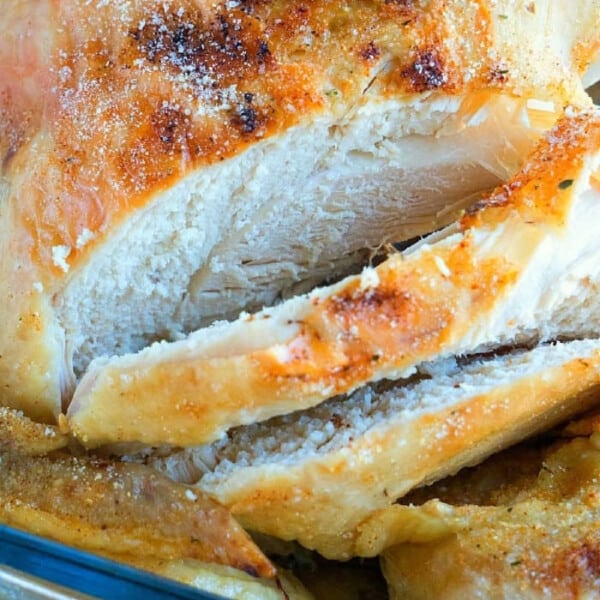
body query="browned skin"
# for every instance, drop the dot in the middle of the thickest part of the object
(547, 178)
(109, 95)
(527, 522)
(109, 507)
(22, 435)
(116, 508)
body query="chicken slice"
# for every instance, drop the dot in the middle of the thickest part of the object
(522, 266)
(317, 475)
(115, 508)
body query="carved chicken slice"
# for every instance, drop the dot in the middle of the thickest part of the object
(167, 162)
(316, 475)
(224, 581)
(116, 508)
(522, 266)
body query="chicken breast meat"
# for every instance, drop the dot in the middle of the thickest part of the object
(163, 164)
(522, 266)
(440, 357)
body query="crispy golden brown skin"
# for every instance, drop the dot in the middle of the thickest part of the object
(24, 436)
(525, 524)
(111, 507)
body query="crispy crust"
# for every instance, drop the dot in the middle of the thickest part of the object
(110, 507)
(98, 114)
(414, 307)
(534, 536)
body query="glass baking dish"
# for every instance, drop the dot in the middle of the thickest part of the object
(33, 568)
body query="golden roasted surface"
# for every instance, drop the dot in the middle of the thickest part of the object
(111, 507)
(525, 524)
(22, 435)
(412, 308)
(103, 103)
